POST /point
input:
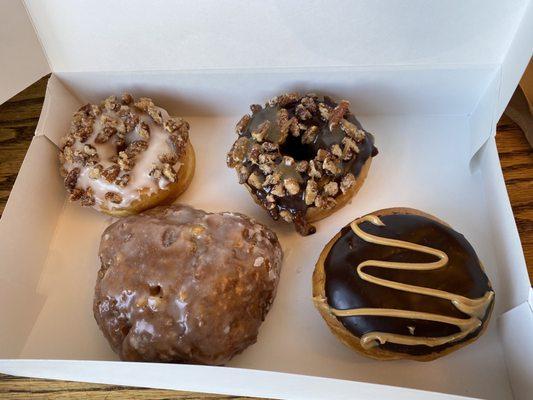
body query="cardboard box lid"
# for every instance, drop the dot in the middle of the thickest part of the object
(22, 59)
(164, 35)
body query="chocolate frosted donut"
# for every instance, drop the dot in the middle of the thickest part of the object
(301, 157)
(124, 156)
(399, 283)
(181, 285)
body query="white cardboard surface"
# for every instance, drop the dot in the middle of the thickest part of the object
(22, 60)
(429, 78)
(293, 339)
(127, 35)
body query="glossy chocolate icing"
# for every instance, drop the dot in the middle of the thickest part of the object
(293, 147)
(462, 275)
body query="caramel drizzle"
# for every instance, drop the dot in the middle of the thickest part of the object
(474, 308)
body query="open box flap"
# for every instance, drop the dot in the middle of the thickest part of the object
(129, 35)
(516, 59)
(22, 60)
(231, 381)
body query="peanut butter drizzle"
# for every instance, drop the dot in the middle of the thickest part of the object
(474, 308)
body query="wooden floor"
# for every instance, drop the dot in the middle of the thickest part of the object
(18, 118)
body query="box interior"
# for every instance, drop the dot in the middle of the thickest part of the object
(422, 164)
(428, 79)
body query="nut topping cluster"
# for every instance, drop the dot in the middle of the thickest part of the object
(106, 141)
(268, 154)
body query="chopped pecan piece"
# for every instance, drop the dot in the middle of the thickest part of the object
(278, 190)
(72, 178)
(321, 155)
(360, 135)
(269, 146)
(337, 114)
(255, 180)
(143, 103)
(310, 135)
(286, 215)
(169, 172)
(284, 99)
(311, 191)
(144, 130)
(168, 158)
(123, 180)
(266, 168)
(243, 173)
(331, 189)
(177, 125)
(242, 124)
(113, 197)
(294, 127)
(261, 131)
(155, 113)
(302, 113)
(66, 141)
(336, 150)
(95, 110)
(347, 182)
(350, 148)
(124, 162)
(111, 103)
(309, 103)
(302, 166)
(238, 151)
(324, 110)
(87, 198)
(272, 179)
(155, 172)
(129, 118)
(324, 202)
(127, 98)
(331, 166)
(292, 186)
(68, 154)
(111, 173)
(89, 150)
(348, 128)
(254, 153)
(104, 135)
(288, 161)
(96, 171)
(76, 194)
(315, 169)
(135, 148)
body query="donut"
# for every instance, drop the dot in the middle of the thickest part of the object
(301, 157)
(178, 284)
(401, 284)
(124, 156)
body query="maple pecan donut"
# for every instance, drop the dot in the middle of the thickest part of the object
(178, 284)
(301, 157)
(401, 284)
(125, 156)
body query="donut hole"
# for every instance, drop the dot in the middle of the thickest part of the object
(155, 290)
(294, 148)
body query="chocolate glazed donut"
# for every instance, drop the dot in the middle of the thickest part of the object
(399, 283)
(301, 157)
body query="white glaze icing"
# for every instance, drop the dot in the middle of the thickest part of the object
(140, 179)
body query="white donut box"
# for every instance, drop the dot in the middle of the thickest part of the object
(429, 78)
